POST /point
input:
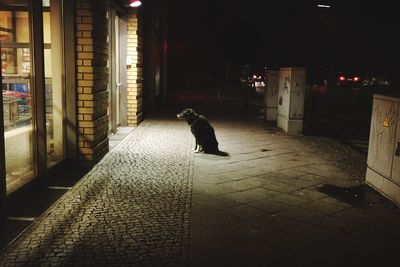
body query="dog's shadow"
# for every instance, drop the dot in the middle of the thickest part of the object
(219, 155)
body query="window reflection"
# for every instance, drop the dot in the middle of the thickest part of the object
(53, 81)
(17, 94)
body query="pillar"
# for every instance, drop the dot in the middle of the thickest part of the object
(134, 63)
(92, 79)
(291, 100)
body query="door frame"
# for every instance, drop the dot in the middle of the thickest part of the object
(112, 75)
(117, 64)
(39, 137)
(71, 114)
(3, 188)
(123, 28)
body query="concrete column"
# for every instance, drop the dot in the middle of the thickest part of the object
(291, 100)
(92, 79)
(271, 95)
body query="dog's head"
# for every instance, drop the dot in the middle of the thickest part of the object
(188, 114)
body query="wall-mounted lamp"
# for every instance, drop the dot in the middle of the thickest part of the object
(135, 3)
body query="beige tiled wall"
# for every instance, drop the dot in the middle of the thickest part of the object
(135, 70)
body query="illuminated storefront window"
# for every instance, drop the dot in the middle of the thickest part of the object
(17, 93)
(20, 95)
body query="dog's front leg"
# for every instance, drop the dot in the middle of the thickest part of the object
(197, 148)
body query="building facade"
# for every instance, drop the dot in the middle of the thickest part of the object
(72, 73)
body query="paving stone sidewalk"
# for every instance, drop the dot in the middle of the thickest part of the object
(131, 209)
(275, 200)
(281, 200)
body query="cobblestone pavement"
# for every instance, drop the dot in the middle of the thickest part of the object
(131, 209)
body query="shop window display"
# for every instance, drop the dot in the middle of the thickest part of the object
(17, 94)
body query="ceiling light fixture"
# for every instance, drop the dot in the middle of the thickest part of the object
(135, 3)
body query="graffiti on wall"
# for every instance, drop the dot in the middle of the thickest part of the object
(272, 88)
(391, 116)
(383, 121)
(286, 84)
(296, 115)
(272, 84)
(377, 128)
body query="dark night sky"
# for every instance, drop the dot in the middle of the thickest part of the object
(205, 35)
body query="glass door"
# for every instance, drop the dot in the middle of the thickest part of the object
(33, 96)
(18, 118)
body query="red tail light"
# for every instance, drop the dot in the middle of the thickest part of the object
(356, 79)
(342, 78)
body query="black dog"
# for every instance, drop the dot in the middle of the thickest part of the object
(202, 130)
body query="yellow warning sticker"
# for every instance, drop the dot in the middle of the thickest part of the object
(386, 122)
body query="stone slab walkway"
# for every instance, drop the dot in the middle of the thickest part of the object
(276, 200)
(281, 200)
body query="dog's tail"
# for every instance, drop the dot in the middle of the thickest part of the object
(221, 153)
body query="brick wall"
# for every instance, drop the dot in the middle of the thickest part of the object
(135, 69)
(92, 78)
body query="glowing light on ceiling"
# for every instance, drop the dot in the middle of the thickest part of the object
(135, 3)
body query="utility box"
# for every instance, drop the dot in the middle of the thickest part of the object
(291, 99)
(383, 171)
(271, 94)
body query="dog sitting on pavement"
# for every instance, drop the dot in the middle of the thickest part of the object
(202, 130)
